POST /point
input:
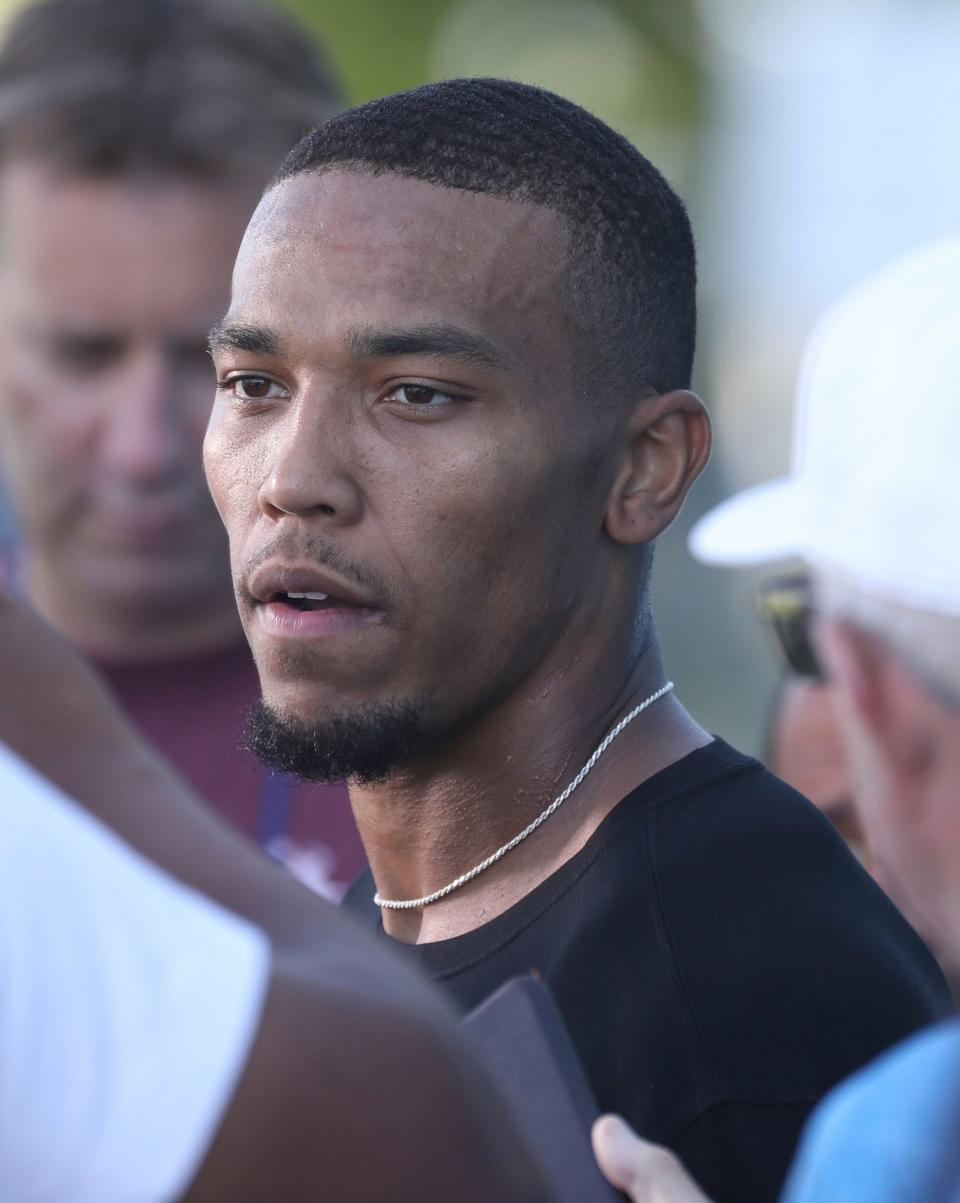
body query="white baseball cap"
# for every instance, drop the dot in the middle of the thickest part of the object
(874, 486)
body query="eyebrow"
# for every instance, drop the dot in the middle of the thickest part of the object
(442, 342)
(439, 341)
(238, 336)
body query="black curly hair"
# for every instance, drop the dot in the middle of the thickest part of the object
(631, 268)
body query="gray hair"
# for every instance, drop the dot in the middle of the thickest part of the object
(205, 89)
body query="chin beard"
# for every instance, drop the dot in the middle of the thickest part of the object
(363, 746)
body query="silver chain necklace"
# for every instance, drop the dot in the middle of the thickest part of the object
(409, 904)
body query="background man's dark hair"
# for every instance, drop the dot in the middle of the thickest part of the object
(632, 269)
(195, 88)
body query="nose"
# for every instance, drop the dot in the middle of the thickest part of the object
(148, 437)
(312, 466)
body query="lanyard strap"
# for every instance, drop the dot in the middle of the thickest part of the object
(276, 805)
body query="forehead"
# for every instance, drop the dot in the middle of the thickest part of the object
(78, 246)
(343, 248)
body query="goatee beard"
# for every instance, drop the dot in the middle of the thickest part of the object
(364, 746)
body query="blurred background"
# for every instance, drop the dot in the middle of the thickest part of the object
(811, 139)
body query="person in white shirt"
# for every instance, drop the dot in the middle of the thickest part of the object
(158, 1044)
(129, 1005)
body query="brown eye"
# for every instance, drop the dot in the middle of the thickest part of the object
(253, 388)
(421, 396)
(417, 394)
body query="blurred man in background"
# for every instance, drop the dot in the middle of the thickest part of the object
(804, 747)
(871, 506)
(134, 141)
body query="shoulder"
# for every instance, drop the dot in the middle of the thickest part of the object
(729, 800)
(756, 891)
(884, 1128)
(718, 802)
(735, 841)
(745, 855)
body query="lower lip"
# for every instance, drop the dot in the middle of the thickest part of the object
(287, 622)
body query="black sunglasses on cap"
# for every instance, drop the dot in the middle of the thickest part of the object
(786, 606)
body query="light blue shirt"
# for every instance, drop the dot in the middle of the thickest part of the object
(889, 1133)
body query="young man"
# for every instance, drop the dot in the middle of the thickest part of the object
(873, 481)
(134, 141)
(452, 419)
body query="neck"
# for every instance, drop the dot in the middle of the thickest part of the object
(473, 792)
(131, 634)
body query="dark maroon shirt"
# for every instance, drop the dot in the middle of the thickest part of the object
(194, 712)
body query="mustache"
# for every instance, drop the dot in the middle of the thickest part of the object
(325, 553)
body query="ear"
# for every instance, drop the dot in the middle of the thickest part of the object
(666, 444)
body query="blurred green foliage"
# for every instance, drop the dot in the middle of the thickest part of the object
(635, 63)
(380, 46)
(384, 46)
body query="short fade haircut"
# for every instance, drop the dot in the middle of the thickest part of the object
(202, 89)
(631, 255)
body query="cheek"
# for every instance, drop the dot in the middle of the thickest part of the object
(886, 837)
(534, 527)
(234, 465)
(490, 552)
(48, 446)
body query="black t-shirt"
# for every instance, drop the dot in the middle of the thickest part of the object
(720, 958)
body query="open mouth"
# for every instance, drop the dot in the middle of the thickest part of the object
(301, 601)
(313, 614)
(308, 601)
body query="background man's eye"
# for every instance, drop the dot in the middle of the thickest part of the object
(86, 355)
